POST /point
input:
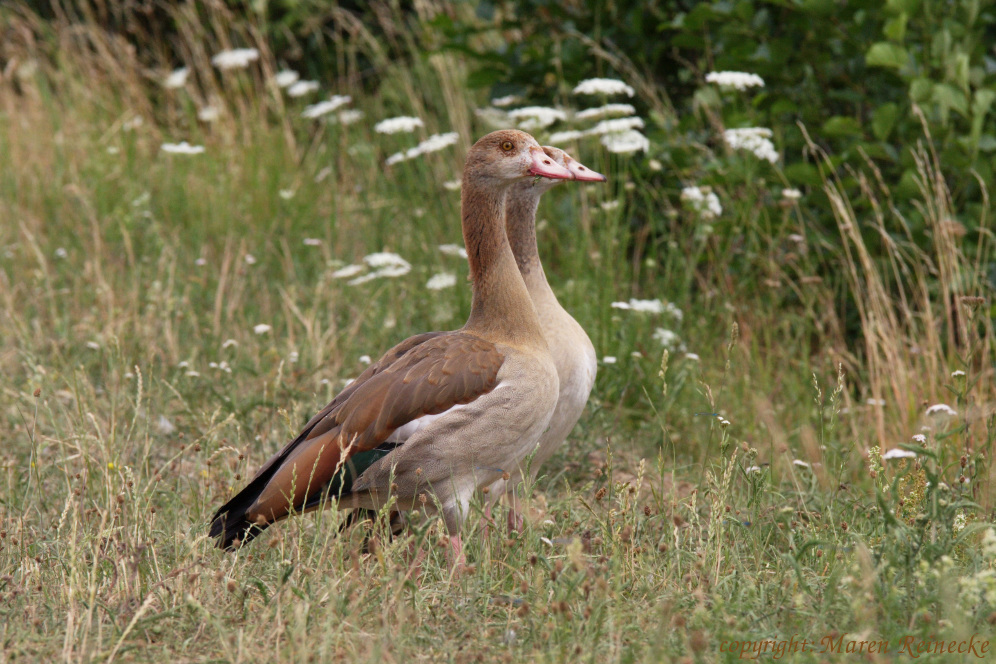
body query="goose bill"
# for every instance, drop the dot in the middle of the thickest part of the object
(546, 167)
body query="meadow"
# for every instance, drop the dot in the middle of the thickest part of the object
(790, 436)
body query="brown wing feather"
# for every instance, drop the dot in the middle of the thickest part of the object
(319, 425)
(416, 378)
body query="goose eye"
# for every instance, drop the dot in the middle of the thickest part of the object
(507, 146)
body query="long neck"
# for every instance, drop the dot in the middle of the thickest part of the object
(501, 308)
(520, 225)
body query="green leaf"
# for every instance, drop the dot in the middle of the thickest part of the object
(950, 97)
(841, 125)
(920, 90)
(801, 173)
(895, 29)
(884, 119)
(987, 143)
(484, 77)
(884, 54)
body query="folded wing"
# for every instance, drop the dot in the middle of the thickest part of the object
(425, 375)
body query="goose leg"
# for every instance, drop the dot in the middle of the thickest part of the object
(515, 520)
(458, 561)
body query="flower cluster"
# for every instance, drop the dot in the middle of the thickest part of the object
(735, 79)
(383, 264)
(703, 201)
(399, 124)
(182, 148)
(238, 58)
(434, 143)
(603, 86)
(752, 139)
(535, 117)
(326, 107)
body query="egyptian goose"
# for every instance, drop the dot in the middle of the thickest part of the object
(442, 414)
(572, 351)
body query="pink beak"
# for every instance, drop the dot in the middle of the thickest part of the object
(582, 173)
(546, 167)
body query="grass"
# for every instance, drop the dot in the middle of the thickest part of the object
(137, 394)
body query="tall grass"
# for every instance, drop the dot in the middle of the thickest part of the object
(738, 496)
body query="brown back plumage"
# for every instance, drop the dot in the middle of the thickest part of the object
(423, 375)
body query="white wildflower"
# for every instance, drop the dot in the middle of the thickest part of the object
(959, 522)
(608, 110)
(238, 58)
(957, 374)
(349, 116)
(325, 107)
(201, 262)
(453, 250)
(692, 356)
(753, 139)
(655, 165)
(753, 469)
(667, 338)
(795, 237)
(626, 143)
(183, 364)
(286, 194)
(362, 279)
(453, 185)
(385, 259)
(113, 149)
(703, 201)
(534, 117)
(262, 328)
(609, 359)
(941, 408)
(182, 147)
(302, 88)
(896, 453)
(919, 438)
(399, 124)
(286, 78)
(312, 242)
(603, 86)
(875, 402)
(643, 306)
(294, 356)
(803, 464)
(616, 126)
(735, 79)
(393, 271)
(164, 426)
(208, 114)
(791, 194)
(61, 252)
(229, 343)
(434, 143)
(348, 271)
(250, 259)
(507, 100)
(608, 206)
(365, 359)
(176, 79)
(562, 137)
(93, 345)
(437, 142)
(441, 281)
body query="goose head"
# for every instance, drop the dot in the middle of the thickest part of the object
(512, 155)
